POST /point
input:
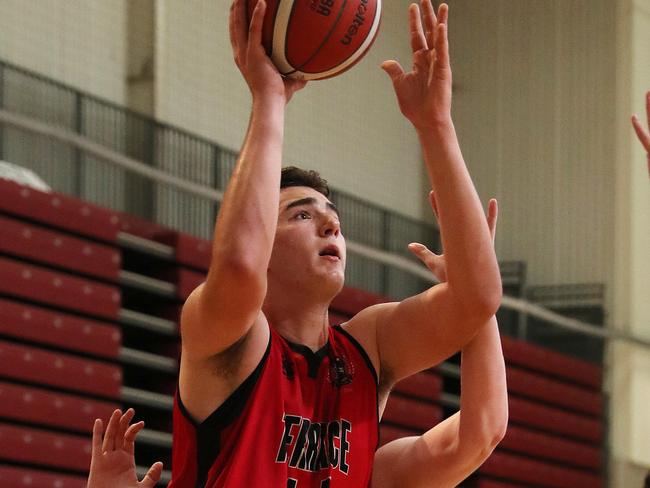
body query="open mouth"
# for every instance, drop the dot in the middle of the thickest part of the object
(331, 252)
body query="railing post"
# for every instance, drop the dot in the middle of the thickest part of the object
(78, 156)
(2, 105)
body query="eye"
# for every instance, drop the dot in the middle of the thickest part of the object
(303, 215)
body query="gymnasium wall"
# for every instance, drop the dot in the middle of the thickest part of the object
(349, 128)
(79, 42)
(534, 106)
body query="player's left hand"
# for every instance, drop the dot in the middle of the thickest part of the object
(113, 463)
(424, 93)
(436, 262)
(642, 133)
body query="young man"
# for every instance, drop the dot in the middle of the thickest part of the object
(642, 133)
(269, 394)
(439, 458)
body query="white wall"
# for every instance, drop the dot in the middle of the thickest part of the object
(349, 128)
(79, 42)
(533, 105)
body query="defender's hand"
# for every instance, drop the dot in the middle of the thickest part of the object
(112, 464)
(436, 262)
(642, 133)
(424, 94)
(260, 73)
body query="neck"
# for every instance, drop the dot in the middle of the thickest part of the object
(298, 320)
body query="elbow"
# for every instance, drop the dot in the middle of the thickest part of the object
(480, 306)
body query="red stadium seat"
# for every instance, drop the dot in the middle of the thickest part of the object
(538, 444)
(351, 301)
(35, 365)
(537, 358)
(551, 419)
(36, 446)
(59, 289)
(58, 210)
(38, 406)
(411, 414)
(423, 385)
(36, 243)
(190, 251)
(13, 477)
(486, 483)
(58, 329)
(552, 391)
(537, 473)
(389, 433)
(142, 228)
(186, 281)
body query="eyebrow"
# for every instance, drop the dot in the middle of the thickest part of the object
(311, 201)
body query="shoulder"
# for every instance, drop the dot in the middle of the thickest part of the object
(363, 328)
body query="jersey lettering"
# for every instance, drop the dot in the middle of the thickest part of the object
(313, 446)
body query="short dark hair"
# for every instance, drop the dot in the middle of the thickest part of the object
(293, 176)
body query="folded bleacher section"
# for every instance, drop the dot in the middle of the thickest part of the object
(89, 307)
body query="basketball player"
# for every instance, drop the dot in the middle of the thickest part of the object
(269, 394)
(439, 458)
(642, 133)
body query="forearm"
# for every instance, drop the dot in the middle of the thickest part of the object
(247, 220)
(483, 396)
(472, 268)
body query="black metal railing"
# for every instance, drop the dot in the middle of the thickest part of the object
(182, 154)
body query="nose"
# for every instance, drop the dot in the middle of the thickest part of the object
(330, 227)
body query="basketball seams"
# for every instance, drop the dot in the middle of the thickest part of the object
(355, 56)
(282, 20)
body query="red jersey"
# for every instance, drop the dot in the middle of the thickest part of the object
(302, 419)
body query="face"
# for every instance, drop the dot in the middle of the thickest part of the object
(309, 248)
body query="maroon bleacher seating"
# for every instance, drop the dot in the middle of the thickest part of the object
(139, 227)
(425, 385)
(351, 301)
(58, 329)
(185, 280)
(337, 319)
(524, 412)
(550, 390)
(14, 477)
(389, 433)
(39, 406)
(29, 241)
(534, 357)
(58, 210)
(31, 364)
(36, 446)
(537, 473)
(189, 250)
(59, 289)
(538, 444)
(413, 414)
(488, 483)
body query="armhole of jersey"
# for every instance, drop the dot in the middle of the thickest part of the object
(361, 350)
(225, 413)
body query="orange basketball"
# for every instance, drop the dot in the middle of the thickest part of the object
(316, 39)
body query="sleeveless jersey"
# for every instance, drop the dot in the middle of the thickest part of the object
(302, 419)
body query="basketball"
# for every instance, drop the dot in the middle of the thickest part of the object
(317, 39)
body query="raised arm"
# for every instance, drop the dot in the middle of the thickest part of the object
(452, 450)
(642, 132)
(222, 310)
(423, 330)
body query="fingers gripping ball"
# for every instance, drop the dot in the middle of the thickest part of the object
(316, 39)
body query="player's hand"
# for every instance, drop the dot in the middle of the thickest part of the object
(112, 464)
(642, 133)
(436, 262)
(424, 93)
(260, 73)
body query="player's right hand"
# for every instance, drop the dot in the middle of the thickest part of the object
(642, 133)
(261, 75)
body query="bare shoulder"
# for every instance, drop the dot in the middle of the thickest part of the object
(205, 383)
(363, 327)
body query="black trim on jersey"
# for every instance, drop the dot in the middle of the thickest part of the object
(314, 359)
(363, 352)
(208, 432)
(366, 358)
